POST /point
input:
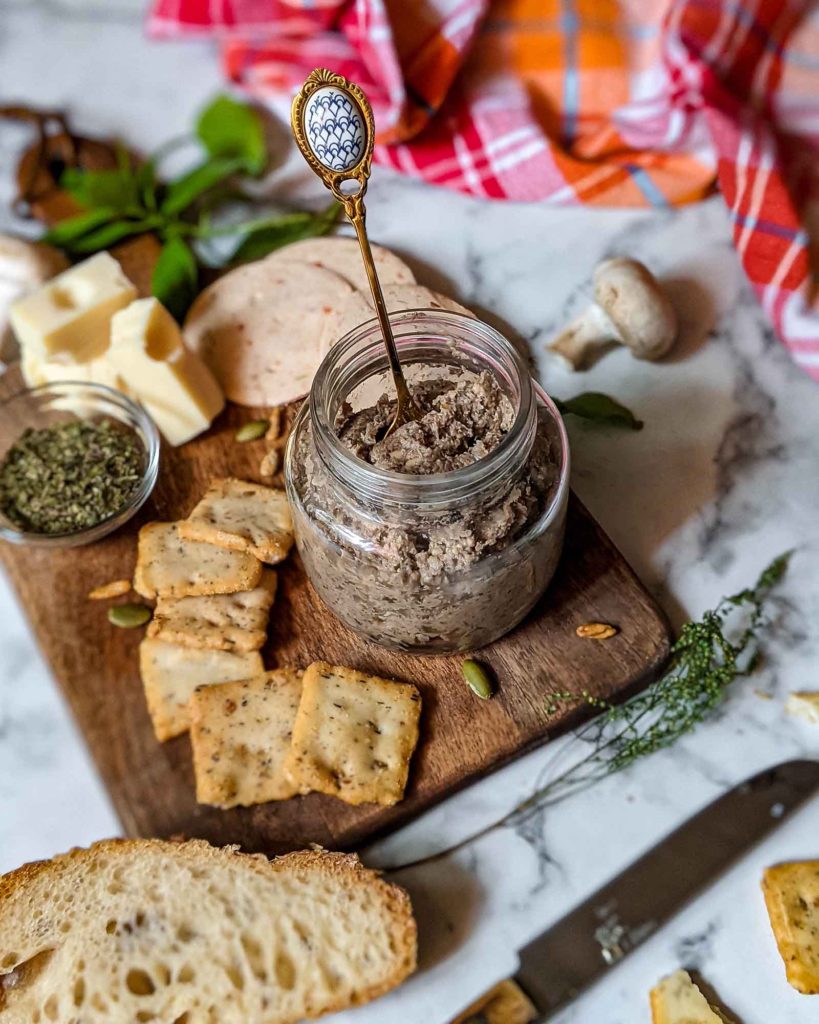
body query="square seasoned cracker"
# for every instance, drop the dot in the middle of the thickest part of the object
(168, 565)
(218, 622)
(354, 735)
(170, 673)
(804, 705)
(244, 517)
(792, 898)
(240, 734)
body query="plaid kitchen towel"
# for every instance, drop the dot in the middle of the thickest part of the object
(607, 102)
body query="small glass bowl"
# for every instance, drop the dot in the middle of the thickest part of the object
(49, 404)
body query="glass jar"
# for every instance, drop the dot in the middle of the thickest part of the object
(436, 563)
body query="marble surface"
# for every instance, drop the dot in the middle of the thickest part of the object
(724, 476)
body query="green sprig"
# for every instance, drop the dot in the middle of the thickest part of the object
(131, 200)
(708, 657)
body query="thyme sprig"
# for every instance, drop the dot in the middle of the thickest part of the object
(708, 656)
(705, 660)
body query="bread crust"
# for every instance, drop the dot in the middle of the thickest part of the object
(345, 868)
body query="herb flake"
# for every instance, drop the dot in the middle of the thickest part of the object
(70, 476)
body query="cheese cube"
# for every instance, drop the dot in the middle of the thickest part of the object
(174, 385)
(24, 266)
(37, 371)
(69, 317)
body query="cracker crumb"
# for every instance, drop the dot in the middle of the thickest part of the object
(274, 431)
(269, 466)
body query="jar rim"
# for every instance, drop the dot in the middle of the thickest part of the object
(362, 348)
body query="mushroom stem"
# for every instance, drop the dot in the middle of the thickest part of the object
(586, 339)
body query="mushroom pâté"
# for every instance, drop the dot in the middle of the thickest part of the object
(630, 308)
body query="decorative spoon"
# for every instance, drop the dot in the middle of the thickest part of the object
(334, 129)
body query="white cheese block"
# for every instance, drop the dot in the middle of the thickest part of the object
(68, 319)
(174, 385)
(37, 371)
(24, 266)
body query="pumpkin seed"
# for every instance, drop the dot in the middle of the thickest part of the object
(478, 679)
(129, 616)
(252, 431)
(597, 631)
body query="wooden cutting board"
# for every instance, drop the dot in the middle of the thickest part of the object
(462, 738)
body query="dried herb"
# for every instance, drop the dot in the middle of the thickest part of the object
(70, 476)
(709, 655)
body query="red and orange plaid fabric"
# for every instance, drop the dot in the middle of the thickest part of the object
(607, 102)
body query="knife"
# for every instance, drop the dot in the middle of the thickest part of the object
(594, 937)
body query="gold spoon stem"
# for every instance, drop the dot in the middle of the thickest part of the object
(334, 128)
(406, 409)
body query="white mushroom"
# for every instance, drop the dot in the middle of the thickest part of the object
(630, 308)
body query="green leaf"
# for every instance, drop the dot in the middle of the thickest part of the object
(108, 235)
(266, 237)
(260, 241)
(147, 185)
(600, 408)
(181, 193)
(327, 218)
(767, 579)
(117, 190)
(228, 128)
(176, 277)
(72, 228)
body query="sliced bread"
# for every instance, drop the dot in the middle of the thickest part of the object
(185, 933)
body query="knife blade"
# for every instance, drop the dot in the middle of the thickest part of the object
(591, 939)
